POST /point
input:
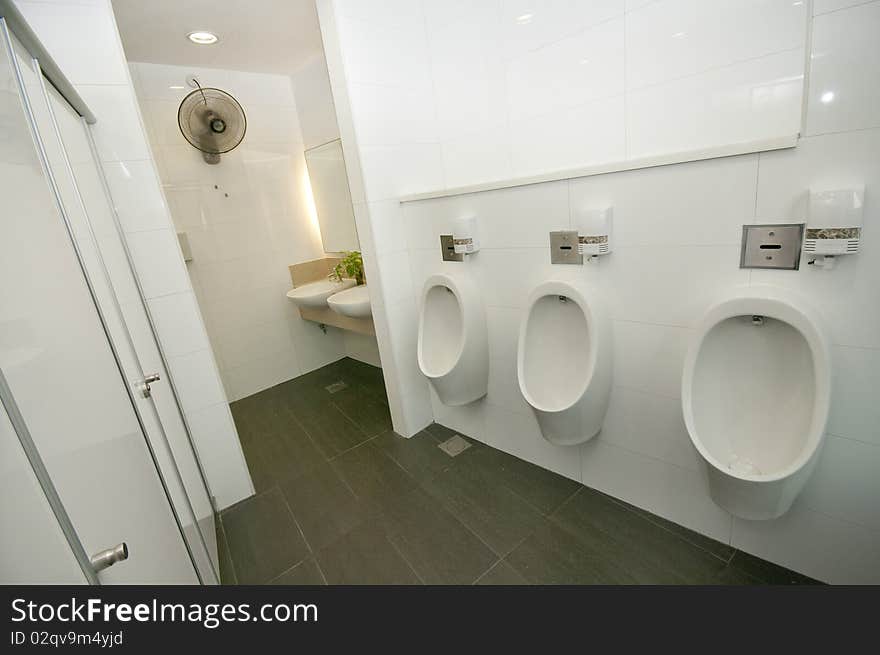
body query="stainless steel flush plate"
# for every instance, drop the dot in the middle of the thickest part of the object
(564, 248)
(448, 249)
(772, 246)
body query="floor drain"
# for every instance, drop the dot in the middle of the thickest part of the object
(454, 445)
(336, 386)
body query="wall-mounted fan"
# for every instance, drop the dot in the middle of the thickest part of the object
(212, 121)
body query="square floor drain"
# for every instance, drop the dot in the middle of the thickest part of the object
(454, 445)
(336, 386)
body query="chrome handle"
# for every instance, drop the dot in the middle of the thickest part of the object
(144, 385)
(109, 557)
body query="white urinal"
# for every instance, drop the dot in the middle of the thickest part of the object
(755, 396)
(453, 348)
(564, 361)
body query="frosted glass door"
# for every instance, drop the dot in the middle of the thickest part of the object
(56, 357)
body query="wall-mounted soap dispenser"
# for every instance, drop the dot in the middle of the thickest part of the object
(594, 227)
(834, 225)
(464, 234)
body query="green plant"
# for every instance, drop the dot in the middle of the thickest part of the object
(350, 266)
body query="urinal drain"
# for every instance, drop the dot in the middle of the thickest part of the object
(743, 466)
(454, 445)
(336, 386)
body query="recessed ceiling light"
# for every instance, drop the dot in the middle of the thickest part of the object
(202, 38)
(678, 35)
(524, 19)
(827, 97)
(176, 87)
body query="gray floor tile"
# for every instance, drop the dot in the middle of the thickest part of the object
(544, 489)
(651, 554)
(438, 546)
(554, 556)
(263, 538)
(365, 556)
(227, 570)
(492, 511)
(331, 430)
(285, 455)
(419, 455)
(502, 574)
(371, 522)
(374, 477)
(717, 548)
(768, 572)
(323, 505)
(306, 573)
(367, 411)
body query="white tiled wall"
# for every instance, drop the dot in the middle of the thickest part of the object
(493, 89)
(247, 218)
(678, 230)
(96, 67)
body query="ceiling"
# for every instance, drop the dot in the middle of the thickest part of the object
(266, 36)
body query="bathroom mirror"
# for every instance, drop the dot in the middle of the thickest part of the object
(329, 183)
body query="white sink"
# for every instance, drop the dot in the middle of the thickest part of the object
(315, 294)
(353, 302)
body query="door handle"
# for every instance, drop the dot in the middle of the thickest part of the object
(109, 557)
(144, 385)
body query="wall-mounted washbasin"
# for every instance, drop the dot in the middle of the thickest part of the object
(315, 294)
(354, 302)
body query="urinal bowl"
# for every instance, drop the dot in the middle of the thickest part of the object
(564, 362)
(453, 345)
(755, 398)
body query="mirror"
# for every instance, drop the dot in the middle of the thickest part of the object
(329, 181)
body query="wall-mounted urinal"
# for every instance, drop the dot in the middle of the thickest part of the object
(564, 361)
(755, 396)
(453, 348)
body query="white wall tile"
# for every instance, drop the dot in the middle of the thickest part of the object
(845, 483)
(749, 101)
(845, 71)
(824, 6)
(469, 419)
(362, 347)
(222, 456)
(139, 202)
(675, 286)
(386, 175)
(179, 323)
(196, 378)
(676, 38)
(649, 358)
(675, 493)
(118, 134)
(700, 203)
(815, 544)
(475, 158)
(527, 26)
(656, 429)
(158, 261)
(519, 435)
(855, 412)
(391, 115)
(570, 72)
(61, 27)
(829, 162)
(591, 133)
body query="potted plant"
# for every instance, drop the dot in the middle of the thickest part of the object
(350, 266)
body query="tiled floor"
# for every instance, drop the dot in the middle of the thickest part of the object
(341, 499)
